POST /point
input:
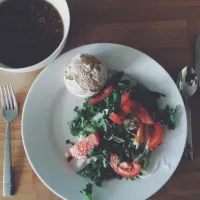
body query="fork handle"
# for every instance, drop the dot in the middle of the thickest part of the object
(7, 166)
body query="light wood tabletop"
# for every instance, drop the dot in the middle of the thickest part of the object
(165, 30)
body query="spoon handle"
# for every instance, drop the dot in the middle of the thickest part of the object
(189, 145)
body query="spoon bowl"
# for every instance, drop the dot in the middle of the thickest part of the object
(187, 82)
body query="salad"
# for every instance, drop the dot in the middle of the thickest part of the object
(119, 127)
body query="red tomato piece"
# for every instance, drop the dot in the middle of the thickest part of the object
(102, 95)
(129, 106)
(141, 134)
(143, 114)
(117, 118)
(125, 169)
(125, 97)
(156, 137)
(79, 150)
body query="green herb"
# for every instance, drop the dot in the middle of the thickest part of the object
(87, 191)
(124, 86)
(98, 169)
(69, 142)
(168, 116)
(94, 152)
(70, 158)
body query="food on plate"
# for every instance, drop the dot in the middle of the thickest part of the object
(87, 191)
(125, 125)
(101, 96)
(85, 75)
(79, 150)
(30, 32)
(125, 169)
(156, 136)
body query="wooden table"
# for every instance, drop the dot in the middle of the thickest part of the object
(165, 30)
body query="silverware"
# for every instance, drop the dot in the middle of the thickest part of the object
(197, 57)
(187, 84)
(9, 113)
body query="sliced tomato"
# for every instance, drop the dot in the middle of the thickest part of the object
(102, 95)
(79, 150)
(129, 106)
(156, 137)
(125, 169)
(125, 97)
(141, 134)
(143, 114)
(117, 118)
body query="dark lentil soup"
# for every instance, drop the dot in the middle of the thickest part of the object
(30, 30)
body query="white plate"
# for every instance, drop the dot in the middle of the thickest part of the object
(49, 106)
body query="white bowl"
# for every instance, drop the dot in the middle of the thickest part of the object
(63, 9)
(45, 129)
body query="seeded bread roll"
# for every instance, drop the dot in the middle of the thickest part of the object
(85, 75)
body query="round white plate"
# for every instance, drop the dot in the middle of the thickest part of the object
(49, 106)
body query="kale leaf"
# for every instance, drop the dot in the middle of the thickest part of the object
(167, 116)
(98, 169)
(70, 158)
(146, 97)
(115, 78)
(69, 142)
(87, 191)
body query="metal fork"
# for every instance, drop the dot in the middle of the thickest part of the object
(9, 113)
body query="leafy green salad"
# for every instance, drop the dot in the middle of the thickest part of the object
(119, 127)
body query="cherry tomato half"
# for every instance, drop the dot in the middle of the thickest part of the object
(117, 118)
(102, 95)
(129, 106)
(125, 97)
(141, 134)
(125, 169)
(156, 137)
(143, 114)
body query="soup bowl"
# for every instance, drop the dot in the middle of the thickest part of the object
(63, 10)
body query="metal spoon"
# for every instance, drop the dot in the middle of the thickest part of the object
(187, 84)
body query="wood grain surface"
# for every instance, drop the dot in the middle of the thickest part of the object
(164, 29)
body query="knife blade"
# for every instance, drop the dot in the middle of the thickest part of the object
(197, 57)
(189, 145)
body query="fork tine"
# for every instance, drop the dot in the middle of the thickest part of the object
(2, 98)
(13, 97)
(9, 97)
(6, 98)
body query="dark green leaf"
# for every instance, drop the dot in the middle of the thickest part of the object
(70, 158)
(115, 78)
(94, 152)
(168, 116)
(69, 142)
(116, 97)
(107, 101)
(146, 97)
(87, 191)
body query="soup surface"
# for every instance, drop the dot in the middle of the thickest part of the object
(30, 31)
